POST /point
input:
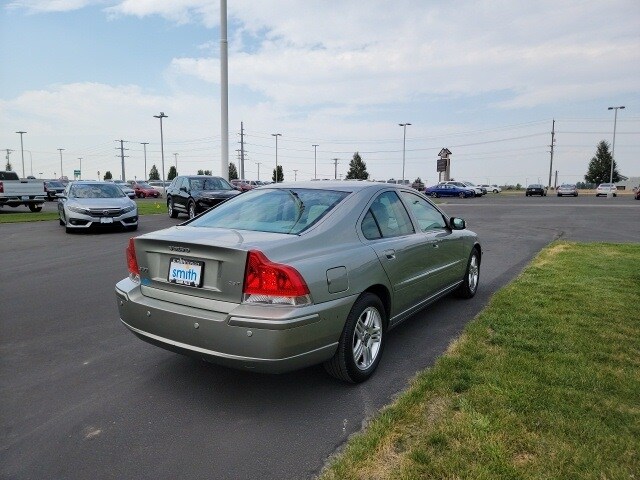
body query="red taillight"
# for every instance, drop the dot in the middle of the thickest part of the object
(132, 262)
(1, 187)
(264, 277)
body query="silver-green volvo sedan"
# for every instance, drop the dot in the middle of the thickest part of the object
(290, 275)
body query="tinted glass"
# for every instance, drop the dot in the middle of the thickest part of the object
(272, 210)
(390, 215)
(428, 217)
(212, 183)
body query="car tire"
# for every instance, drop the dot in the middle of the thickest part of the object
(133, 228)
(361, 342)
(171, 209)
(35, 208)
(461, 195)
(191, 209)
(434, 195)
(469, 285)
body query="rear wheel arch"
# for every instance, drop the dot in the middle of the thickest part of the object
(384, 295)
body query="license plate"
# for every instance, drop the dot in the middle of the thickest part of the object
(25, 198)
(106, 220)
(186, 272)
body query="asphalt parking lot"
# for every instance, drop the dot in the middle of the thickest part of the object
(81, 397)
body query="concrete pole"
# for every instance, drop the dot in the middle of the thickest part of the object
(224, 92)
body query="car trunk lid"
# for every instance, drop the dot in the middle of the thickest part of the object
(214, 259)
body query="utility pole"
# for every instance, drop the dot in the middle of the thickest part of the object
(60, 150)
(242, 150)
(161, 116)
(555, 184)
(8, 154)
(335, 164)
(553, 141)
(80, 176)
(22, 150)
(315, 161)
(276, 135)
(122, 155)
(224, 93)
(259, 163)
(146, 175)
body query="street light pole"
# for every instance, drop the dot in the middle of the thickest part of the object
(60, 150)
(144, 145)
(80, 176)
(404, 144)
(276, 135)
(315, 161)
(176, 157)
(613, 148)
(22, 150)
(259, 163)
(161, 116)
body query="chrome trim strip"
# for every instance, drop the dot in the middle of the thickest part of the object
(429, 272)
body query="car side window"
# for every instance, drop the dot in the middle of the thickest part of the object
(428, 217)
(390, 216)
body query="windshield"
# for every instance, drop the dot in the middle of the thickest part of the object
(144, 185)
(213, 183)
(95, 191)
(272, 210)
(55, 184)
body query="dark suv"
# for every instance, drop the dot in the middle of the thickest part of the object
(193, 194)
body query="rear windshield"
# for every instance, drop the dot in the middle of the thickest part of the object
(272, 210)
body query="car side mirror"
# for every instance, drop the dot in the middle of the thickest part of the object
(457, 223)
(183, 189)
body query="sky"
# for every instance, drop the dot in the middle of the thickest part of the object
(485, 79)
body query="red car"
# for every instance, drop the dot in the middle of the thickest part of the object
(242, 185)
(143, 189)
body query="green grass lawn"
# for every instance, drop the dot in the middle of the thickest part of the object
(22, 214)
(543, 384)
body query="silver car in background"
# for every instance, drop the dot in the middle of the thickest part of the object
(126, 188)
(96, 204)
(290, 275)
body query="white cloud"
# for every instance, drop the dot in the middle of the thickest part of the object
(47, 6)
(344, 53)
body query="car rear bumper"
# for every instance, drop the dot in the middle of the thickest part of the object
(239, 338)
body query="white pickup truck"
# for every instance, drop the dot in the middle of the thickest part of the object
(15, 192)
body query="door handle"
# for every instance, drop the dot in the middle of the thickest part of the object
(390, 254)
